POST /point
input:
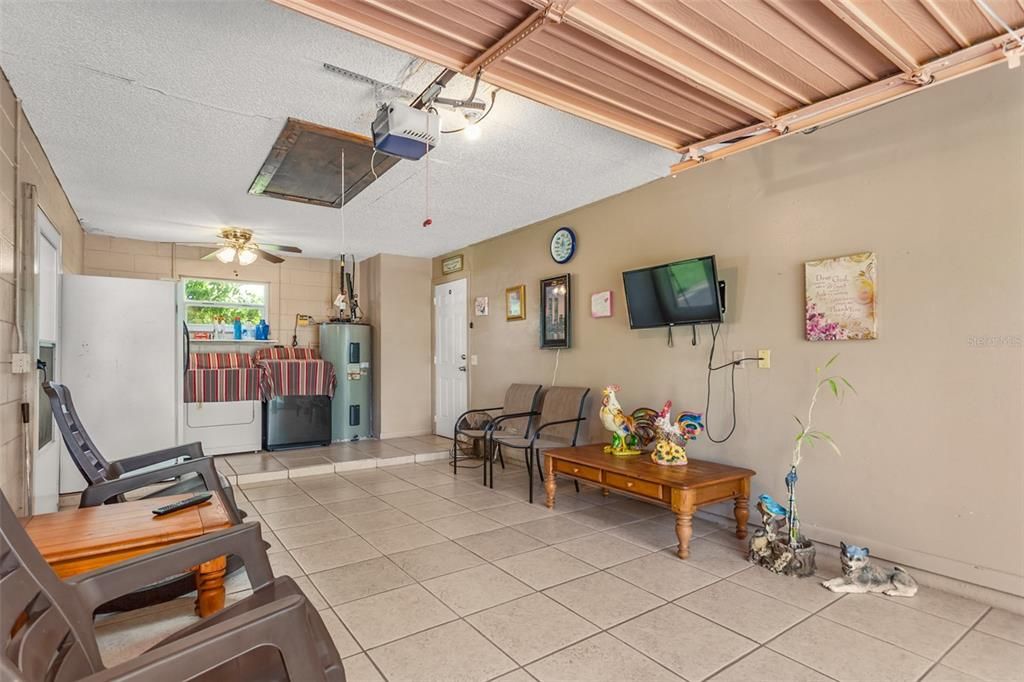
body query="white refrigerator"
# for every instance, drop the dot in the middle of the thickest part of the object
(121, 357)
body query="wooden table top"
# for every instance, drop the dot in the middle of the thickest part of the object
(78, 540)
(696, 474)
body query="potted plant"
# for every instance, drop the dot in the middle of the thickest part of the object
(793, 554)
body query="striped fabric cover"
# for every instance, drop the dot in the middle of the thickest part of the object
(219, 360)
(223, 385)
(283, 353)
(297, 377)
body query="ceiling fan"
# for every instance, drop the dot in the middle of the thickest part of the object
(236, 243)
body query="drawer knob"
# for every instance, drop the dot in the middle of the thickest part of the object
(575, 470)
(629, 484)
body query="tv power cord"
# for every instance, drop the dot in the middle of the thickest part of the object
(732, 380)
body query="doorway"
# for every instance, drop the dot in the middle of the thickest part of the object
(46, 463)
(451, 385)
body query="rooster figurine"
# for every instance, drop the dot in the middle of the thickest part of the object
(628, 431)
(672, 436)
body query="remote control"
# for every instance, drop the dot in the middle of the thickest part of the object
(175, 506)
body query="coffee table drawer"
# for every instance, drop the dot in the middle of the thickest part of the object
(633, 485)
(578, 470)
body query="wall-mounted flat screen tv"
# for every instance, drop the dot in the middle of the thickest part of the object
(684, 292)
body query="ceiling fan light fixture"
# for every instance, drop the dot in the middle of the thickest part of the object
(246, 256)
(227, 254)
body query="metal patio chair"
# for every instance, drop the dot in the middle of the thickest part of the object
(47, 630)
(513, 417)
(560, 419)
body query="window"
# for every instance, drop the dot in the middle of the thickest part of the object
(207, 300)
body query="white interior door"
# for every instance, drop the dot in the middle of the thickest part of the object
(46, 463)
(451, 366)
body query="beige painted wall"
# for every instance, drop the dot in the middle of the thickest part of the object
(933, 465)
(395, 296)
(299, 285)
(23, 161)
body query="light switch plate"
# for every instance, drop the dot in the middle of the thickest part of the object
(764, 359)
(472, 360)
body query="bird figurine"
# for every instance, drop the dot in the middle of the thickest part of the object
(672, 436)
(623, 427)
(772, 506)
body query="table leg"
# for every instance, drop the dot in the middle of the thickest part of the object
(741, 509)
(684, 503)
(684, 531)
(210, 585)
(549, 480)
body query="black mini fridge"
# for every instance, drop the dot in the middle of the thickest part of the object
(296, 421)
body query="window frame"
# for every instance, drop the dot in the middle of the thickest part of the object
(186, 303)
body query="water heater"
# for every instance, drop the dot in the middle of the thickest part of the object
(348, 347)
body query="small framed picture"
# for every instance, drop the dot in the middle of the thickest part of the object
(452, 264)
(601, 304)
(556, 313)
(480, 306)
(515, 302)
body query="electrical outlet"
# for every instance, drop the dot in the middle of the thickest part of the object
(21, 363)
(764, 359)
(737, 357)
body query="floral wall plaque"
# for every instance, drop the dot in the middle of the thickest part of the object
(840, 301)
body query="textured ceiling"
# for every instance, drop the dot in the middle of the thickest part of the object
(157, 115)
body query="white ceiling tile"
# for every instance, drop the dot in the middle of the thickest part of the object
(157, 116)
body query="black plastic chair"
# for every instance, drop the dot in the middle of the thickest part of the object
(108, 484)
(47, 630)
(108, 481)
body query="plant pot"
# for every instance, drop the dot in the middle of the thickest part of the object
(777, 557)
(803, 565)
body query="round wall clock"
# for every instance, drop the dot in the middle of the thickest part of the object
(563, 245)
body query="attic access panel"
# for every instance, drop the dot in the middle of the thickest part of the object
(305, 162)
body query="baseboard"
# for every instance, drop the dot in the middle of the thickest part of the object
(928, 570)
(404, 434)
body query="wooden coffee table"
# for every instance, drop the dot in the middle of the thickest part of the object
(680, 488)
(80, 540)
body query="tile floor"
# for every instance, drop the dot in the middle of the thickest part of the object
(421, 575)
(336, 458)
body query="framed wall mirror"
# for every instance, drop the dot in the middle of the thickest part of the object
(556, 312)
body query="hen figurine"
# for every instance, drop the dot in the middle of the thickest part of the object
(623, 426)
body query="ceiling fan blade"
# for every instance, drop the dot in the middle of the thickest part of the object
(211, 255)
(202, 245)
(279, 247)
(265, 255)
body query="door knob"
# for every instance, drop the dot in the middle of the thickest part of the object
(462, 368)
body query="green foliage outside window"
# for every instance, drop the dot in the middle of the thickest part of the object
(243, 300)
(208, 315)
(219, 291)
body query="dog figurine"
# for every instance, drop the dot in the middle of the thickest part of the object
(860, 577)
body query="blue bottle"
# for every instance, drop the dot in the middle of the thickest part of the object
(261, 330)
(238, 329)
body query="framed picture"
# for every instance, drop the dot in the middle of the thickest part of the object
(452, 264)
(556, 314)
(515, 302)
(840, 298)
(480, 306)
(601, 304)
